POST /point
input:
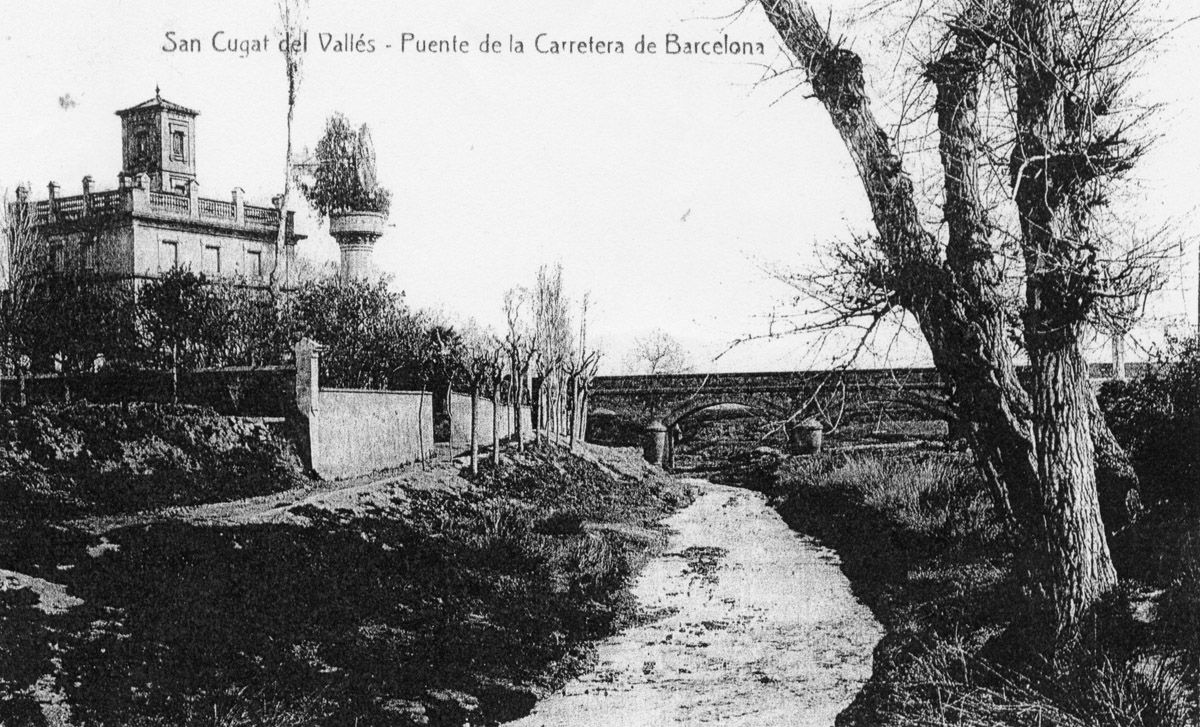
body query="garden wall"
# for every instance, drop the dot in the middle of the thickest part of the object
(355, 432)
(350, 432)
(460, 421)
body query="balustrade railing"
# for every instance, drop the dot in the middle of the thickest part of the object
(216, 209)
(103, 202)
(261, 217)
(72, 209)
(170, 203)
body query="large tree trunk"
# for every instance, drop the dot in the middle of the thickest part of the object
(957, 305)
(1076, 568)
(1071, 560)
(518, 396)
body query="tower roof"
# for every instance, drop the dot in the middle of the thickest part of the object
(158, 102)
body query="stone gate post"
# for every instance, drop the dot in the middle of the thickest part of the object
(308, 395)
(654, 442)
(806, 436)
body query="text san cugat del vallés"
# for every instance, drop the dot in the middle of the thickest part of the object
(242, 46)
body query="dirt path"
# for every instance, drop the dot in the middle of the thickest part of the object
(759, 628)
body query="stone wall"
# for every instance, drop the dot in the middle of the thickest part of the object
(364, 431)
(349, 432)
(460, 421)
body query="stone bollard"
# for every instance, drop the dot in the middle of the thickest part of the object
(807, 436)
(654, 442)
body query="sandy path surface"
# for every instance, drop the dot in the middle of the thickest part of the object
(759, 627)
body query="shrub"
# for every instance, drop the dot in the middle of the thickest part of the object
(934, 494)
(1157, 418)
(1092, 690)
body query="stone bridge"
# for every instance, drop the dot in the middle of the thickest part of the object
(831, 396)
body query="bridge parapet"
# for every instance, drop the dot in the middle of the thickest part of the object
(765, 381)
(914, 392)
(784, 396)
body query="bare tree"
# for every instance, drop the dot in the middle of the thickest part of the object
(1054, 70)
(497, 356)
(293, 16)
(521, 343)
(552, 333)
(581, 369)
(657, 352)
(477, 363)
(18, 269)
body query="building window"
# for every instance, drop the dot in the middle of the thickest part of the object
(57, 258)
(168, 255)
(212, 260)
(141, 142)
(88, 252)
(254, 266)
(179, 145)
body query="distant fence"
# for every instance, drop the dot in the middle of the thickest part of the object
(235, 391)
(351, 432)
(459, 406)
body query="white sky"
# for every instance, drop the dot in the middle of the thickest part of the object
(660, 182)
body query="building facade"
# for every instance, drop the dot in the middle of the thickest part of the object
(156, 219)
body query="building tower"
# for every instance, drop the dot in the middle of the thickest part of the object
(158, 138)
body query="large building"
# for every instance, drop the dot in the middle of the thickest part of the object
(156, 219)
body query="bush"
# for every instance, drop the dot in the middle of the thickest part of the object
(83, 459)
(933, 494)
(1157, 418)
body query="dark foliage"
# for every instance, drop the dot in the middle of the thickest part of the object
(79, 320)
(1157, 418)
(343, 175)
(185, 323)
(372, 339)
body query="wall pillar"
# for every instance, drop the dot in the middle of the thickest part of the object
(52, 192)
(194, 198)
(87, 194)
(1118, 354)
(654, 443)
(308, 396)
(239, 206)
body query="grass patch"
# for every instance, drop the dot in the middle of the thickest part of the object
(919, 541)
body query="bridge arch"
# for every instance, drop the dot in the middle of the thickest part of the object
(691, 406)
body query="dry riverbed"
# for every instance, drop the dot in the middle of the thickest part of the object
(747, 623)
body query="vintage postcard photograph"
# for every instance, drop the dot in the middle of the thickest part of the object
(630, 364)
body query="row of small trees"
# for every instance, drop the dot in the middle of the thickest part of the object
(543, 357)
